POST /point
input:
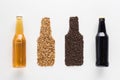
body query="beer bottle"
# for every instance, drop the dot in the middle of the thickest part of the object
(19, 45)
(101, 44)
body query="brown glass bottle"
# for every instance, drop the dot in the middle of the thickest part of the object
(19, 45)
(102, 45)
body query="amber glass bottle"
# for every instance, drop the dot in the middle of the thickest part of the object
(19, 45)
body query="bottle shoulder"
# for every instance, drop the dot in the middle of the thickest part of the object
(74, 37)
(19, 37)
(43, 39)
(101, 34)
(72, 34)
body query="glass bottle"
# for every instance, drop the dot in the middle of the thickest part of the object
(19, 45)
(102, 44)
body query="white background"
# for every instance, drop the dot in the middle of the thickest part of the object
(59, 12)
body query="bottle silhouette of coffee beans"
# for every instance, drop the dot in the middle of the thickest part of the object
(73, 44)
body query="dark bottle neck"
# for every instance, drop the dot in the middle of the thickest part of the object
(74, 25)
(102, 25)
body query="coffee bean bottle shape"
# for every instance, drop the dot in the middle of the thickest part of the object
(19, 45)
(102, 44)
(45, 45)
(73, 44)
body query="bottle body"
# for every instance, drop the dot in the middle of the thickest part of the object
(46, 51)
(102, 50)
(73, 49)
(19, 51)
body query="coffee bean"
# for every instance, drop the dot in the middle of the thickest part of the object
(73, 44)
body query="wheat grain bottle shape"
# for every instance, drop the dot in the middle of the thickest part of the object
(45, 45)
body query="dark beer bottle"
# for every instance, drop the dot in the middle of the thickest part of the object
(101, 44)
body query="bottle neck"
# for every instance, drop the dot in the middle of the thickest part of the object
(102, 25)
(74, 25)
(45, 27)
(19, 25)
